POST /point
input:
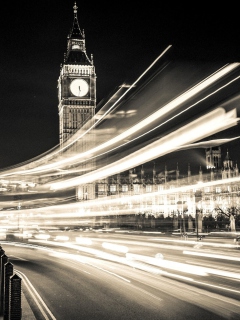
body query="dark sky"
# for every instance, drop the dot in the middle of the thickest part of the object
(124, 39)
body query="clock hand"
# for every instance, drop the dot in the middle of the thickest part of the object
(79, 88)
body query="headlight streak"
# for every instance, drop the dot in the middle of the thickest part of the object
(203, 84)
(135, 261)
(210, 255)
(218, 287)
(204, 126)
(167, 264)
(156, 271)
(115, 247)
(42, 236)
(91, 204)
(173, 104)
(149, 194)
(85, 241)
(130, 87)
(156, 115)
(61, 238)
(128, 260)
(202, 244)
(134, 129)
(54, 165)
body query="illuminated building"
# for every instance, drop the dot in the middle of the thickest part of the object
(77, 98)
(77, 103)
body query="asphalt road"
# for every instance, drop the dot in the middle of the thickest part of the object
(154, 279)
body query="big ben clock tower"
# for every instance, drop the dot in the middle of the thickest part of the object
(76, 85)
(77, 102)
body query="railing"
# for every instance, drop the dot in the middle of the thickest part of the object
(10, 290)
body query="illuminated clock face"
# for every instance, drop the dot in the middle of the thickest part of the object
(79, 87)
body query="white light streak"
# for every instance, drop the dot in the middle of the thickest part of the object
(211, 255)
(115, 247)
(206, 125)
(84, 132)
(167, 264)
(170, 106)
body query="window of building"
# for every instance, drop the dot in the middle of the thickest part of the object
(218, 189)
(160, 188)
(136, 188)
(101, 188)
(124, 188)
(113, 188)
(148, 188)
(161, 200)
(207, 189)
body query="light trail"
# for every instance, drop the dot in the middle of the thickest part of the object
(207, 125)
(75, 212)
(144, 123)
(71, 141)
(211, 255)
(118, 100)
(139, 126)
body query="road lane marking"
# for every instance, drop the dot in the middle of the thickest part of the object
(36, 297)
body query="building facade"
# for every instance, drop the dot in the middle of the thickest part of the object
(168, 194)
(77, 101)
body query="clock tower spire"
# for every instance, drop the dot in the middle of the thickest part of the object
(76, 84)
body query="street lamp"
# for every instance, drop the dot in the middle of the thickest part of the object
(19, 208)
(198, 198)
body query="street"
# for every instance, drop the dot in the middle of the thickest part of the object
(128, 276)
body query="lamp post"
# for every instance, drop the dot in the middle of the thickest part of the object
(19, 208)
(198, 198)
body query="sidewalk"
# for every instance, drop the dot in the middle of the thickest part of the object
(27, 313)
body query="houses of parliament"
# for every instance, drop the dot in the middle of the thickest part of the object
(167, 193)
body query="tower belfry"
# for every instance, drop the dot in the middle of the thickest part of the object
(213, 158)
(76, 84)
(228, 171)
(77, 103)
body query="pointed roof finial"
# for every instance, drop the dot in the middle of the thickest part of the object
(75, 8)
(76, 31)
(227, 156)
(154, 167)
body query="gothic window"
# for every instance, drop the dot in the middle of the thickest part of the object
(75, 46)
(160, 188)
(136, 188)
(124, 188)
(101, 188)
(113, 188)
(172, 199)
(148, 188)
(161, 200)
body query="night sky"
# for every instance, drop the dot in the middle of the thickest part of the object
(124, 39)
